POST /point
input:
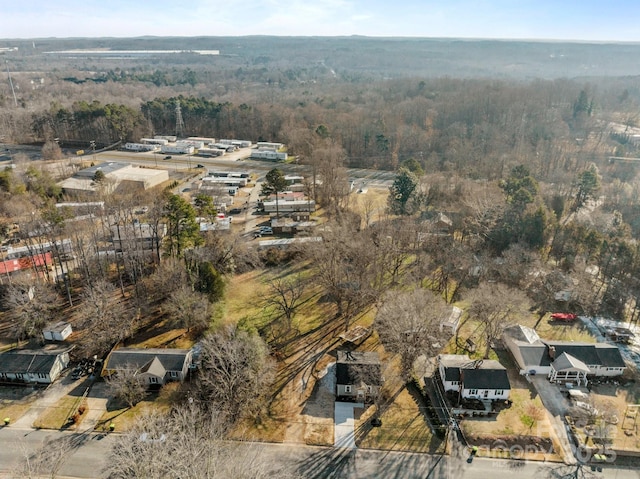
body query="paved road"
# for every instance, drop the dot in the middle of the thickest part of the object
(89, 458)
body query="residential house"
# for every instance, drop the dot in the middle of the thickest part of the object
(154, 365)
(562, 360)
(358, 376)
(40, 366)
(480, 379)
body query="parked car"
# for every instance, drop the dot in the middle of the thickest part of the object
(199, 166)
(168, 157)
(266, 230)
(565, 317)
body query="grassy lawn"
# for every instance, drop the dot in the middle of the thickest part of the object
(125, 417)
(55, 417)
(404, 428)
(13, 411)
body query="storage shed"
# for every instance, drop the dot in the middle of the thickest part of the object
(57, 332)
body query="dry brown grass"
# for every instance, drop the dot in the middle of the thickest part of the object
(55, 417)
(14, 411)
(404, 428)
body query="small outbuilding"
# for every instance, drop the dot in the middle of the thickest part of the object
(57, 332)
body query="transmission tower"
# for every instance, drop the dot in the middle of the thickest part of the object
(179, 121)
(15, 100)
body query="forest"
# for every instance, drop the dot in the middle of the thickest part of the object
(513, 181)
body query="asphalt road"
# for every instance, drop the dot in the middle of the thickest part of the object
(89, 457)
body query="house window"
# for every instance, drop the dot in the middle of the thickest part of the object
(173, 374)
(153, 380)
(42, 376)
(473, 392)
(455, 383)
(347, 389)
(19, 376)
(499, 392)
(3, 375)
(369, 389)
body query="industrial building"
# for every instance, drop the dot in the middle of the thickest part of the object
(117, 175)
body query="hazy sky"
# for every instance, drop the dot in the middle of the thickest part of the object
(615, 20)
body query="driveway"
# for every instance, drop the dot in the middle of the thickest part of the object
(556, 406)
(344, 424)
(49, 397)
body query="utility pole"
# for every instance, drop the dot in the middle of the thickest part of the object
(15, 100)
(179, 121)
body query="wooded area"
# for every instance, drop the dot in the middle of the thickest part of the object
(508, 191)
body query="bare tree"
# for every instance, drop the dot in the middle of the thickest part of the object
(105, 318)
(285, 295)
(46, 460)
(189, 442)
(188, 308)
(495, 307)
(30, 306)
(127, 385)
(236, 372)
(408, 324)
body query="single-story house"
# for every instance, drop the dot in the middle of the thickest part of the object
(33, 366)
(479, 379)
(562, 360)
(155, 365)
(358, 376)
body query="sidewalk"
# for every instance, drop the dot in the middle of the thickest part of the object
(49, 397)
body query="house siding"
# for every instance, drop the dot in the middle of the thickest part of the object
(491, 394)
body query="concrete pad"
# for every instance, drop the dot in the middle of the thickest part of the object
(344, 424)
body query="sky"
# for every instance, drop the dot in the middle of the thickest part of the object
(587, 20)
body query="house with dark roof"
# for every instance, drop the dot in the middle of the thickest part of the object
(29, 366)
(562, 360)
(154, 365)
(358, 376)
(483, 379)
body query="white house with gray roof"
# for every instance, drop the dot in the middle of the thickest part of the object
(155, 365)
(562, 360)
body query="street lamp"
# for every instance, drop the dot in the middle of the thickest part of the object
(92, 144)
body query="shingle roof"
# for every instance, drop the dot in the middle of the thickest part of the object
(352, 366)
(169, 359)
(27, 361)
(534, 354)
(481, 378)
(566, 361)
(610, 356)
(602, 354)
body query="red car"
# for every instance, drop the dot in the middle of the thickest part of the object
(566, 317)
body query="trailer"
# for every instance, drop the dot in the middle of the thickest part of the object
(177, 149)
(154, 141)
(289, 206)
(140, 147)
(208, 152)
(269, 155)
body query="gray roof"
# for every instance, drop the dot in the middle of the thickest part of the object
(489, 377)
(482, 374)
(353, 366)
(28, 361)
(566, 362)
(600, 354)
(534, 354)
(522, 333)
(148, 360)
(106, 168)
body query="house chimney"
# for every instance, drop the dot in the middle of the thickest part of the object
(552, 352)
